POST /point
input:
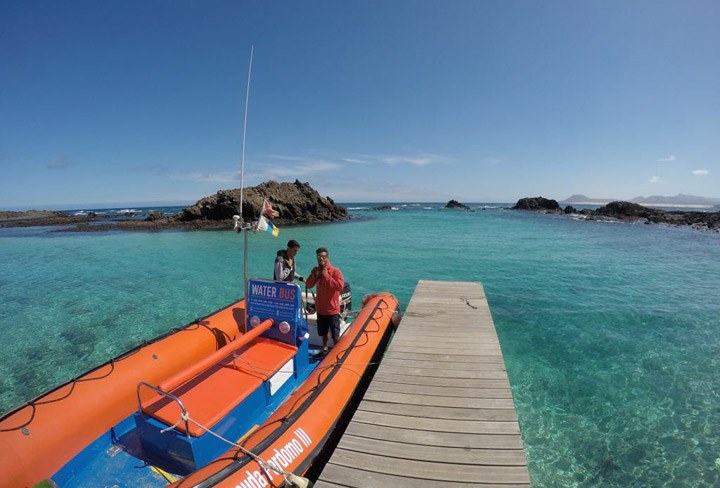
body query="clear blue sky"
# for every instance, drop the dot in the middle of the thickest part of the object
(110, 102)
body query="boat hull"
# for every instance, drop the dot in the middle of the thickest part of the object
(46, 434)
(299, 436)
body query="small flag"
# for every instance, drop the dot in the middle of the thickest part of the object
(268, 211)
(267, 226)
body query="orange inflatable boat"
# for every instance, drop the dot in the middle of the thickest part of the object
(214, 403)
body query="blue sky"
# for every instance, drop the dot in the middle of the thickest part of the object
(138, 102)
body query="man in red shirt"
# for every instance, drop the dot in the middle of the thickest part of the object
(329, 282)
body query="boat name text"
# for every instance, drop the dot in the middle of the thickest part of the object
(281, 458)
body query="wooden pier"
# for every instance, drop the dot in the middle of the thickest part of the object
(439, 411)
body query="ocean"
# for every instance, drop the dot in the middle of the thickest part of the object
(610, 331)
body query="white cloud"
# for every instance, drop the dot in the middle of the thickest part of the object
(276, 172)
(654, 179)
(283, 167)
(700, 172)
(223, 177)
(355, 161)
(420, 160)
(668, 159)
(371, 190)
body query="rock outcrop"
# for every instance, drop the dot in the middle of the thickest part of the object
(625, 210)
(636, 213)
(456, 204)
(622, 211)
(32, 218)
(296, 203)
(537, 203)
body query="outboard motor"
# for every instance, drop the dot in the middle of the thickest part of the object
(345, 300)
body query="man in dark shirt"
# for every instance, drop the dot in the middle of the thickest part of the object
(285, 263)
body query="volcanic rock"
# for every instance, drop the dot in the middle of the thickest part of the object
(624, 210)
(537, 203)
(296, 203)
(456, 204)
(33, 218)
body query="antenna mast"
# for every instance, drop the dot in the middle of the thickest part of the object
(242, 159)
(245, 228)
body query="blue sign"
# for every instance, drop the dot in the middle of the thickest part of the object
(279, 301)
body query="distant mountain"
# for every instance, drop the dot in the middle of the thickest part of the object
(678, 199)
(580, 199)
(657, 200)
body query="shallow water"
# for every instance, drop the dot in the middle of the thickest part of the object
(611, 332)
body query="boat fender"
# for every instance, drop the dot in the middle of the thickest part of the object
(298, 481)
(396, 318)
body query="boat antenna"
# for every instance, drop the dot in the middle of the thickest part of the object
(245, 228)
(242, 158)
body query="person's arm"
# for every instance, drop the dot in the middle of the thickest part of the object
(311, 280)
(282, 271)
(335, 280)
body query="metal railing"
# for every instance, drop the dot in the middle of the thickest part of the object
(170, 396)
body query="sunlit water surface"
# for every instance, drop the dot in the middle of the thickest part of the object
(610, 332)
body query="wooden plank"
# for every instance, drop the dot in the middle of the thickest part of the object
(458, 343)
(431, 381)
(426, 411)
(437, 425)
(352, 477)
(488, 373)
(434, 401)
(439, 411)
(493, 351)
(429, 438)
(455, 455)
(398, 359)
(442, 391)
(432, 471)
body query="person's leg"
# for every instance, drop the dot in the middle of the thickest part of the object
(335, 328)
(323, 325)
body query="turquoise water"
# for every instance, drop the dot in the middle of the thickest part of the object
(611, 332)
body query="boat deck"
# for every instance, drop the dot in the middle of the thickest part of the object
(439, 411)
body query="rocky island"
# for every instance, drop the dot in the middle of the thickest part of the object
(622, 211)
(33, 218)
(456, 204)
(296, 203)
